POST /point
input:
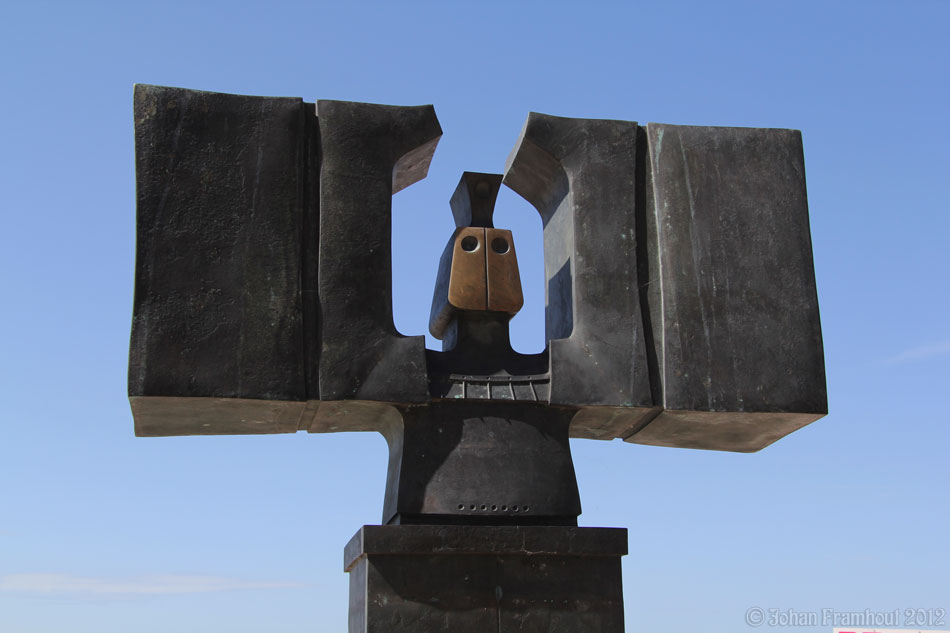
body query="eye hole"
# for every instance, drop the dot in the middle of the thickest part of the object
(499, 245)
(469, 243)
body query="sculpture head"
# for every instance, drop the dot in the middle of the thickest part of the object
(478, 278)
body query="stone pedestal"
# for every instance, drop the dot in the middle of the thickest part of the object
(480, 579)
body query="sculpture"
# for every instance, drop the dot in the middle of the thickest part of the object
(681, 311)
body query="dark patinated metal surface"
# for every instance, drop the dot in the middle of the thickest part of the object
(218, 315)
(580, 175)
(705, 234)
(730, 288)
(681, 311)
(479, 363)
(473, 579)
(473, 201)
(368, 152)
(681, 298)
(481, 462)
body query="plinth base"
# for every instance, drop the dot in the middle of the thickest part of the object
(480, 579)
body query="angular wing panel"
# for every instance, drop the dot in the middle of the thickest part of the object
(217, 312)
(581, 176)
(731, 288)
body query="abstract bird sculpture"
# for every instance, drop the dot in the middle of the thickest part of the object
(680, 311)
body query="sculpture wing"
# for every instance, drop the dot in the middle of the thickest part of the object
(681, 301)
(263, 271)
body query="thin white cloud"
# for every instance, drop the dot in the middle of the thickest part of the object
(919, 353)
(145, 585)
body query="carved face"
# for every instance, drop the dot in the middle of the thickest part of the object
(484, 271)
(482, 275)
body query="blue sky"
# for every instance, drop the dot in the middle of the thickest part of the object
(101, 532)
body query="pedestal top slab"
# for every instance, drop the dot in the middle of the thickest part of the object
(395, 540)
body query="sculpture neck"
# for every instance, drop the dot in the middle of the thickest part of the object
(482, 333)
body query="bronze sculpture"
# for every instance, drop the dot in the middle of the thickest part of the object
(681, 311)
